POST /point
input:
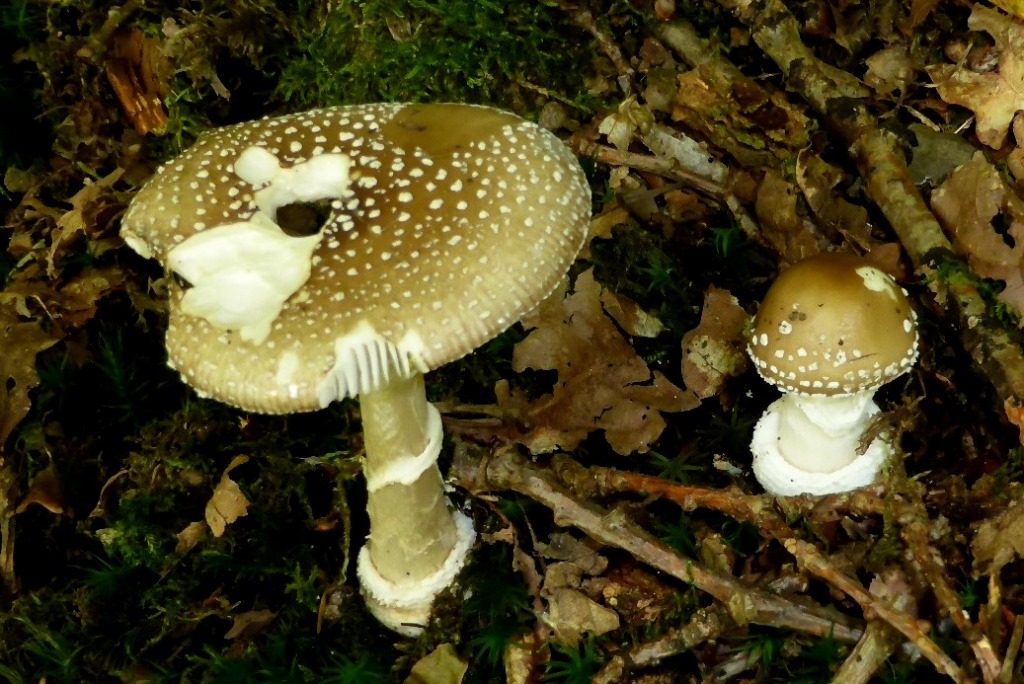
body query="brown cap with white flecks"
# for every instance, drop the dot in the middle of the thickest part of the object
(831, 325)
(422, 232)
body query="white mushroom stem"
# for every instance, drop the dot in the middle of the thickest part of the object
(809, 444)
(417, 542)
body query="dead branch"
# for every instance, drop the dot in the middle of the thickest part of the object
(506, 468)
(929, 563)
(877, 644)
(759, 511)
(706, 623)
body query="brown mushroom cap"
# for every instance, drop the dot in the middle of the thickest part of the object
(832, 325)
(456, 221)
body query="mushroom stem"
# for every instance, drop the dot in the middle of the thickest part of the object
(803, 445)
(821, 434)
(417, 543)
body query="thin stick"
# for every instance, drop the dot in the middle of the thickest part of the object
(758, 511)
(505, 468)
(706, 623)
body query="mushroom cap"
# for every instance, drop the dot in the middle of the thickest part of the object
(445, 224)
(831, 325)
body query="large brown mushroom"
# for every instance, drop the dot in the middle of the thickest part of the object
(347, 251)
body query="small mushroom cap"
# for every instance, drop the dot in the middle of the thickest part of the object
(445, 224)
(833, 324)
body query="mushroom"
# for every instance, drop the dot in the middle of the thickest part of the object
(348, 251)
(831, 330)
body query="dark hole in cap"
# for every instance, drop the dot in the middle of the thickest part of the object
(302, 219)
(1001, 224)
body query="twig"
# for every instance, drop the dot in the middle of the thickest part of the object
(840, 98)
(506, 468)
(1012, 651)
(930, 564)
(758, 511)
(585, 20)
(877, 644)
(706, 623)
(668, 168)
(8, 501)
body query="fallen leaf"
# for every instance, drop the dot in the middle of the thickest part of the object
(1014, 7)
(1015, 414)
(440, 666)
(972, 201)
(777, 209)
(136, 69)
(571, 614)
(999, 540)
(889, 69)
(936, 153)
(44, 490)
(602, 383)
(228, 503)
(994, 96)
(82, 218)
(249, 624)
(20, 342)
(524, 655)
(715, 350)
(817, 180)
(639, 597)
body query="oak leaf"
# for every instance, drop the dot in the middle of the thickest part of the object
(602, 383)
(20, 342)
(994, 96)
(715, 350)
(970, 204)
(228, 503)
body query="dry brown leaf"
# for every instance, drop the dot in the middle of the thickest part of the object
(249, 624)
(936, 154)
(793, 237)
(994, 96)
(999, 540)
(441, 666)
(20, 342)
(1014, 7)
(228, 503)
(972, 200)
(85, 213)
(571, 614)
(523, 656)
(817, 180)
(602, 383)
(889, 69)
(45, 491)
(716, 349)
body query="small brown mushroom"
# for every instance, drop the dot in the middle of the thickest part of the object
(347, 251)
(831, 330)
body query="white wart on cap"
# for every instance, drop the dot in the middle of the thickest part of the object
(833, 325)
(441, 225)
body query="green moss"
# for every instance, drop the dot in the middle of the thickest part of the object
(435, 50)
